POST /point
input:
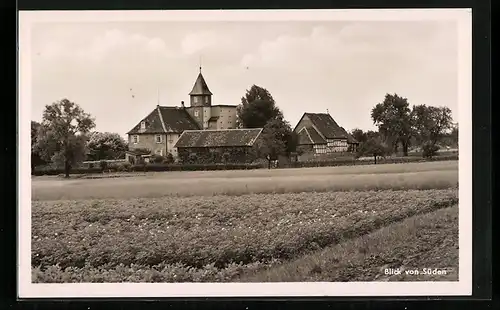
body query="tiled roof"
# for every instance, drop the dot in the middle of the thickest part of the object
(177, 119)
(309, 135)
(350, 138)
(200, 87)
(166, 119)
(303, 138)
(326, 125)
(218, 138)
(153, 124)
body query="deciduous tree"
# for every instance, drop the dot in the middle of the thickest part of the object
(36, 158)
(431, 123)
(257, 108)
(106, 145)
(63, 134)
(393, 119)
(373, 146)
(359, 135)
(276, 139)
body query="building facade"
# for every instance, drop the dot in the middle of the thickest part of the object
(206, 115)
(318, 133)
(218, 146)
(160, 130)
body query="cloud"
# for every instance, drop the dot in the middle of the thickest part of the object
(111, 43)
(210, 42)
(354, 46)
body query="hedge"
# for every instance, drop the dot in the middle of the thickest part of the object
(154, 167)
(193, 167)
(149, 167)
(352, 162)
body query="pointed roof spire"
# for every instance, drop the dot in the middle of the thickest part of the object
(200, 87)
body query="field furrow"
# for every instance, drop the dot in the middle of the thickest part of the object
(223, 230)
(428, 240)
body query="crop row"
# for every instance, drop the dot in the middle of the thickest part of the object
(429, 239)
(222, 230)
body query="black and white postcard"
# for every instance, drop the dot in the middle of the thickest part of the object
(245, 153)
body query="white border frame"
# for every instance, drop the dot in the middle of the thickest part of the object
(26, 289)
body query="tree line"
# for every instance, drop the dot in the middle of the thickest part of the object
(65, 138)
(65, 135)
(401, 127)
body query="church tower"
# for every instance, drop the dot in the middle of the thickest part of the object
(200, 102)
(200, 95)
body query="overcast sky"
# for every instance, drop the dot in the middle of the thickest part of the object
(113, 70)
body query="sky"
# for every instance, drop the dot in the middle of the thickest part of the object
(119, 71)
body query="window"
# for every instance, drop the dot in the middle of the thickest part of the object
(195, 99)
(206, 99)
(171, 141)
(143, 125)
(135, 139)
(196, 113)
(158, 138)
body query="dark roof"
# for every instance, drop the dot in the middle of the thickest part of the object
(200, 87)
(177, 119)
(350, 138)
(166, 119)
(153, 124)
(303, 138)
(309, 135)
(225, 105)
(326, 125)
(213, 118)
(315, 136)
(218, 138)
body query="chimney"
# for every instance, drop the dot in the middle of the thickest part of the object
(182, 104)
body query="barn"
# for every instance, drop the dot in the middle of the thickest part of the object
(218, 146)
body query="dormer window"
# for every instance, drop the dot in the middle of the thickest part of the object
(196, 113)
(143, 125)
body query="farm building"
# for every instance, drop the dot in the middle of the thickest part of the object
(318, 133)
(218, 146)
(160, 130)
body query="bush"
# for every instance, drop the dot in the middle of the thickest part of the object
(429, 150)
(158, 159)
(193, 167)
(169, 158)
(192, 158)
(103, 164)
(125, 166)
(344, 162)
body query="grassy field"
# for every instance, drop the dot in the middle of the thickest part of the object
(430, 175)
(315, 224)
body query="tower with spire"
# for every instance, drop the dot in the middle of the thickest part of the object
(204, 112)
(200, 95)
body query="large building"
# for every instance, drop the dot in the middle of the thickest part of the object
(318, 133)
(159, 131)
